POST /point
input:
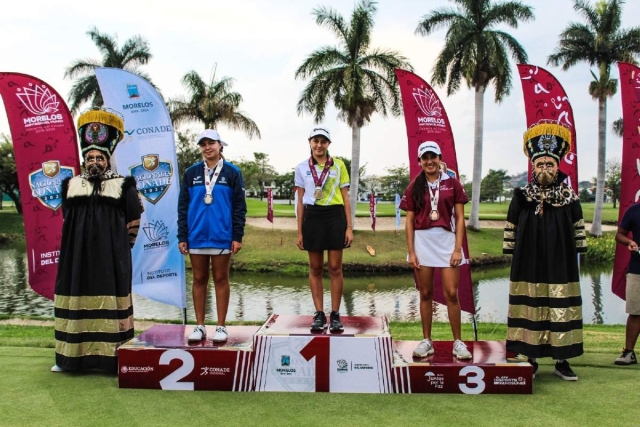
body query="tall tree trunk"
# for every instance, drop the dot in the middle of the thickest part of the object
(355, 171)
(596, 225)
(474, 218)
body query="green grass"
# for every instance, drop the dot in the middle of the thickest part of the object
(33, 396)
(498, 211)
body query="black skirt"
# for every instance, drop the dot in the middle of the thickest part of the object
(323, 228)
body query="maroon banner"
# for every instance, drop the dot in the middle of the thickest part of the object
(426, 120)
(545, 98)
(46, 152)
(372, 210)
(630, 168)
(270, 205)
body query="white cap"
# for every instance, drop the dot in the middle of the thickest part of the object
(429, 146)
(212, 135)
(320, 131)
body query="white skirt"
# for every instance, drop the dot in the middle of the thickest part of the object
(434, 247)
(210, 251)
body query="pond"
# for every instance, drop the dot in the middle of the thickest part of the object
(256, 296)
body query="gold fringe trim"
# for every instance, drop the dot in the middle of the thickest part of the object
(536, 290)
(91, 348)
(104, 117)
(93, 302)
(556, 339)
(508, 245)
(547, 129)
(510, 235)
(510, 226)
(539, 314)
(94, 325)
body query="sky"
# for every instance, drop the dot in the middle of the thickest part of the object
(260, 44)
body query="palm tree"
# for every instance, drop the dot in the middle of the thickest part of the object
(599, 42)
(133, 53)
(357, 78)
(617, 127)
(211, 104)
(478, 53)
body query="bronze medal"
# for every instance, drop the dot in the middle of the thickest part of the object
(208, 199)
(434, 215)
(318, 193)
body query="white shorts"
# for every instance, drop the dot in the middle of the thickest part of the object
(210, 251)
(434, 247)
(633, 294)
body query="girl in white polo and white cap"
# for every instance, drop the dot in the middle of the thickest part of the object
(435, 229)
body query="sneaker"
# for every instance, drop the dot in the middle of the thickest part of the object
(628, 357)
(199, 333)
(534, 364)
(563, 370)
(460, 350)
(319, 321)
(424, 349)
(56, 368)
(336, 325)
(221, 334)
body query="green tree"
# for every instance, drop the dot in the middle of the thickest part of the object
(477, 53)
(285, 183)
(493, 184)
(266, 172)
(211, 104)
(584, 195)
(358, 79)
(130, 56)
(599, 42)
(396, 180)
(9, 173)
(617, 127)
(250, 174)
(187, 150)
(362, 170)
(613, 176)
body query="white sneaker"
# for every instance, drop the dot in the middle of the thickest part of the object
(221, 334)
(460, 350)
(424, 349)
(199, 333)
(56, 368)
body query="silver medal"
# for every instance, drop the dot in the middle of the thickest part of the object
(208, 199)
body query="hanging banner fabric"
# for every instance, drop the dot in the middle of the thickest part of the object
(630, 168)
(372, 210)
(397, 203)
(270, 205)
(148, 153)
(46, 152)
(545, 98)
(427, 120)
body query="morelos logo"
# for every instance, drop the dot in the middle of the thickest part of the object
(40, 102)
(156, 231)
(153, 177)
(46, 183)
(429, 104)
(285, 360)
(133, 91)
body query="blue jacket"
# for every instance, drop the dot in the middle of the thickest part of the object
(218, 224)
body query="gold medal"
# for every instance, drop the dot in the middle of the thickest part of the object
(318, 193)
(208, 199)
(434, 215)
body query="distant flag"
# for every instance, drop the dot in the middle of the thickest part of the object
(270, 205)
(372, 210)
(397, 212)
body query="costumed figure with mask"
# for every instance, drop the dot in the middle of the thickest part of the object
(545, 232)
(101, 209)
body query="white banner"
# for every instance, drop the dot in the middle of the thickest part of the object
(148, 153)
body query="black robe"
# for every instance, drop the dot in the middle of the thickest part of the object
(545, 305)
(93, 306)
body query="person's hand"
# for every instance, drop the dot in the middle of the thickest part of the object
(235, 247)
(456, 258)
(299, 242)
(348, 237)
(633, 246)
(413, 261)
(184, 249)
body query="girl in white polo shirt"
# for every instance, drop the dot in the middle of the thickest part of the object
(435, 229)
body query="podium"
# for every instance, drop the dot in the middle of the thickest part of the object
(284, 355)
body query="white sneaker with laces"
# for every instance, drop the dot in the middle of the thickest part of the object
(424, 349)
(56, 368)
(221, 334)
(460, 350)
(199, 333)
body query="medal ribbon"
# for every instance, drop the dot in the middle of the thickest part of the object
(435, 196)
(210, 182)
(319, 181)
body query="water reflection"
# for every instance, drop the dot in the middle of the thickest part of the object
(255, 296)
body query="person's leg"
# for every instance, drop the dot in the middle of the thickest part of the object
(316, 267)
(200, 269)
(632, 331)
(334, 264)
(424, 276)
(220, 271)
(450, 277)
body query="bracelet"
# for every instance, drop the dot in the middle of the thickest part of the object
(457, 250)
(349, 226)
